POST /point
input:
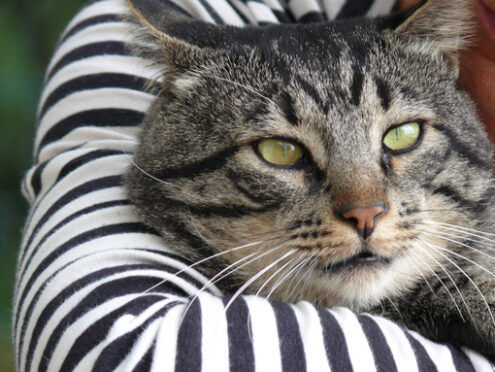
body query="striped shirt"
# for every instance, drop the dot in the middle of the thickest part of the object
(97, 290)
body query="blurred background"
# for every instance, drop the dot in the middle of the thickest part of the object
(29, 33)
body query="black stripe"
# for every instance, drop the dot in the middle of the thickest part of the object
(188, 357)
(109, 117)
(218, 20)
(241, 352)
(357, 85)
(461, 361)
(98, 330)
(384, 360)
(291, 346)
(145, 362)
(103, 18)
(449, 192)
(58, 301)
(95, 81)
(383, 91)
(115, 352)
(422, 358)
(86, 51)
(287, 106)
(463, 150)
(313, 17)
(335, 343)
(282, 16)
(224, 210)
(77, 192)
(87, 236)
(312, 93)
(355, 8)
(209, 164)
(65, 221)
(83, 160)
(36, 178)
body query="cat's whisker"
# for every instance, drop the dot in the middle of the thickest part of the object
(487, 242)
(131, 160)
(414, 256)
(439, 249)
(444, 269)
(273, 231)
(255, 277)
(286, 276)
(296, 273)
(274, 275)
(228, 271)
(216, 255)
(463, 228)
(249, 89)
(438, 235)
(394, 306)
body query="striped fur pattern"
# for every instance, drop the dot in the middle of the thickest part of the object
(336, 89)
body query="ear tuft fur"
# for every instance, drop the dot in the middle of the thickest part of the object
(446, 24)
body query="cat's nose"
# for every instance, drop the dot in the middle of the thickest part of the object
(364, 219)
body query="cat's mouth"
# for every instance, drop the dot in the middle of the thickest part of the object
(364, 260)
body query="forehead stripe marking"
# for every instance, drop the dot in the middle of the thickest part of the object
(357, 85)
(287, 106)
(383, 91)
(311, 92)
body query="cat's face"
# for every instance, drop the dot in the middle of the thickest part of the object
(320, 159)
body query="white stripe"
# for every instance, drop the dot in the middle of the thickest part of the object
(480, 363)
(226, 12)
(105, 98)
(402, 352)
(357, 344)
(265, 335)
(92, 137)
(244, 10)
(333, 7)
(312, 337)
(166, 341)
(300, 8)
(101, 32)
(439, 354)
(215, 342)
(261, 12)
(380, 7)
(195, 9)
(97, 9)
(133, 66)
(274, 4)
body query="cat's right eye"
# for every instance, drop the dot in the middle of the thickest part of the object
(402, 137)
(279, 151)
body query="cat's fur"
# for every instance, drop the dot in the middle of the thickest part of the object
(336, 88)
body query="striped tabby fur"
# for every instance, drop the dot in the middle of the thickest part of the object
(336, 89)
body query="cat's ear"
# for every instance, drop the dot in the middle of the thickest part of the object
(445, 25)
(162, 32)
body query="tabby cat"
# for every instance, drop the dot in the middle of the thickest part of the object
(337, 163)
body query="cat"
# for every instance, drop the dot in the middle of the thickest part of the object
(337, 163)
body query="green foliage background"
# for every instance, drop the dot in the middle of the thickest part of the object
(29, 32)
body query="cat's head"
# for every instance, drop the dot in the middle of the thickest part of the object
(322, 159)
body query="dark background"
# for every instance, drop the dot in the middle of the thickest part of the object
(29, 33)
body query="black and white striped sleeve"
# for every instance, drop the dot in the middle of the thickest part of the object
(97, 290)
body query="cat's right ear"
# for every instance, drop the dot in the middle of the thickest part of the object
(163, 33)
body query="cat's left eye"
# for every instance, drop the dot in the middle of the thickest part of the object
(280, 151)
(402, 137)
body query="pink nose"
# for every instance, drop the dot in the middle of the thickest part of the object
(364, 218)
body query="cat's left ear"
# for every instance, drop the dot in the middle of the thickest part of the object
(444, 25)
(164, 33)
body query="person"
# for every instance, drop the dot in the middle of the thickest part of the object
(98, 290)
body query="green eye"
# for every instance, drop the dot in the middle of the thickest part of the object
(402, 137)
(279, 151)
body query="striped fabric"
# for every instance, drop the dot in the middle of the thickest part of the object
(97, 290)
